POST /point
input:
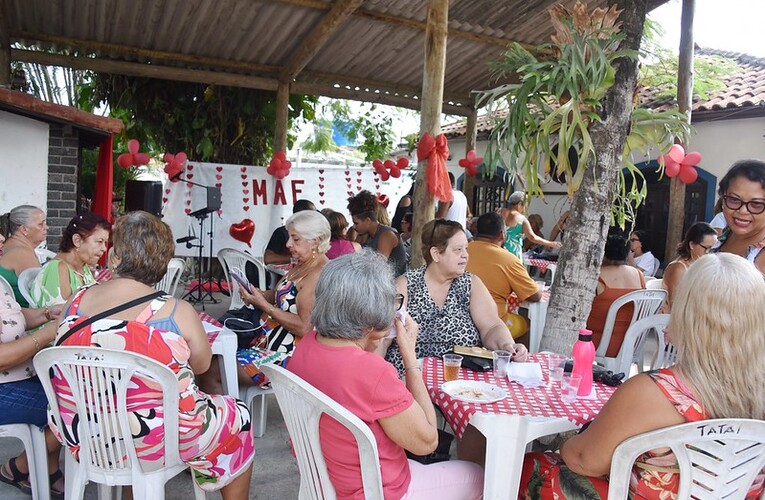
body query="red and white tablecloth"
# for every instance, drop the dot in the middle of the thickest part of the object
(538, 401)
(541, 264)
(513, 303)
(212, 326)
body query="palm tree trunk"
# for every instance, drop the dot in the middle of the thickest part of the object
(590, 216)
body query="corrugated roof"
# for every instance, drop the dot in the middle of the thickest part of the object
(375, 53)
(743, 95)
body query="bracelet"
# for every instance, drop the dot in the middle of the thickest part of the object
(46, 312)
(412, 368)
(271, 310)
(37, 344)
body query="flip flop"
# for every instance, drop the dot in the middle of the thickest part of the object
(52, 478)
(17, 479)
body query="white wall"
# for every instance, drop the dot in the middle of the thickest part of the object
(23, 162)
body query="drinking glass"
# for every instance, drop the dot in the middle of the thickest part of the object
(501, 361)
(569, 387)
(555, 364)
(452, 363)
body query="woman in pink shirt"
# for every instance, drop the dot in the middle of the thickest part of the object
(356, 303)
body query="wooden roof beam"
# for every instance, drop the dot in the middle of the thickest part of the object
(311, 45)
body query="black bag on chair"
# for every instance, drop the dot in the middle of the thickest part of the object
(441, 454)
(245, 323)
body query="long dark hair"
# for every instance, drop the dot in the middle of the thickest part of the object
(84, 225)
(695, 234)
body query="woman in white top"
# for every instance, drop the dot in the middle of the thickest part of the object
(640, 253)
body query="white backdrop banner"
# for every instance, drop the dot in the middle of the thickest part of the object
(250, 194)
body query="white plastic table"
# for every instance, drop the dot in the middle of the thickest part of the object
(223, 342)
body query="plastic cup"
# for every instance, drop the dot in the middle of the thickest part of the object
(452, 363)
(569, 387)
(555, 367)
(502, 360)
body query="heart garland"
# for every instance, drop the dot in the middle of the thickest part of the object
(388, 168)
(279, 167)
(678, 163)
(470, 163)
(174, 165)
(133, 157)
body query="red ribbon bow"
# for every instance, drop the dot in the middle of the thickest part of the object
(436, 151)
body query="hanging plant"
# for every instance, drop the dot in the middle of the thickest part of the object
(557, 99)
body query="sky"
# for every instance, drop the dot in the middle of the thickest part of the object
(734, 25)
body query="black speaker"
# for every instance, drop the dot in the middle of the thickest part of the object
(144, 195)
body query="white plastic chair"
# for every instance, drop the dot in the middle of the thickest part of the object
(33, 439)
(717, 458)
(646, 303)
(667, 354)
(169, 281)
(656, 266)
(302, 406)
(26, 278)
(7, 286)
(632, 347)
(654, 284)
(230, 258)
(99, 379)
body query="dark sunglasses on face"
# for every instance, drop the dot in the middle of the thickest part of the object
(399, 303)
(706, 248)
(735, 203)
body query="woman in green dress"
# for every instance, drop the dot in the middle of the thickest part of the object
(518, 226)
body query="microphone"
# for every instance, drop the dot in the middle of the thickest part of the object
(186, 239)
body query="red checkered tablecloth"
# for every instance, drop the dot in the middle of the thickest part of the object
(513, 303)
(212, 328)
(102, 275)
(538, 401)
(541, 264)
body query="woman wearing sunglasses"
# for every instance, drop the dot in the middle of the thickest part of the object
(698, 241)
(743, 193)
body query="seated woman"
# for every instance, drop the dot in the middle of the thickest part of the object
(708, 381)
(376, 235)
(698, 241)
(355, 308)
(286, 310)
(451, 306)
(217, 437)
(22, 397)
(338, 241)
(83, 243)
(640, 255)
(616, 278)
(518, 226)
(26, 228)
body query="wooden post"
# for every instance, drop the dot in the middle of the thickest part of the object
(5, 53)
(471, 135)
(282, 117)
(436, 32)
(685, 103)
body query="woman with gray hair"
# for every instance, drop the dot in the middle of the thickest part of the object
(518, 226)
(26, 228)
(286, 309)
(356, 303)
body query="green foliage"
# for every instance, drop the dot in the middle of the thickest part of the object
(557, 101)
(575, 487)
(321, 141)
(371, 124)
(207, 122)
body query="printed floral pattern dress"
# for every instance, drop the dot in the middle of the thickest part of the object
(215, 431)
(654, 476)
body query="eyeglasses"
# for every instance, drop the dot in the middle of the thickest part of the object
(399, 301)
(735, 203)
(706, 248)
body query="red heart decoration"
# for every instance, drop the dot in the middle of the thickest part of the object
(245, 191)
(218, 184)
(189, 176)
(164, 200)
(321, 194)
(189, 185)
(349, 193)
(244, 176)
(358, 172)
(218, 176)
(188, 202)
(219, 169)
(358, 181)
(321, 179)
(189, 165)
(349, 185)
(244, 184)
(167, 191)
(243, 231)
(383, 200)
(243, 169)
(245, 200)
(187, 210)
(246, 208)
(321, 170)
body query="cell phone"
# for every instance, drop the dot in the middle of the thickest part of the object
(236, 273)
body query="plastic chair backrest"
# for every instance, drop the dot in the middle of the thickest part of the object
(7, 286)
(230, 258)
(99, 380)
(667, 353)
(654, 284)
(302, 406)
(633, 341)
(717, 458)
(26, 278)
(646, 303)
(169, 281)
(656, 266)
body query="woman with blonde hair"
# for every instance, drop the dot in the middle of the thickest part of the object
(719, 374)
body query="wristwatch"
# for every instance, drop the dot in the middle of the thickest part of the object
(46, 312)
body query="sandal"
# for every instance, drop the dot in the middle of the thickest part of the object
(52, 478)
(17, 479)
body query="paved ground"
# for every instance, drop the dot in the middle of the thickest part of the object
(275, 475)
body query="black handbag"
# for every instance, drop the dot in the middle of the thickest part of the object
(245, 323)
(441, 453)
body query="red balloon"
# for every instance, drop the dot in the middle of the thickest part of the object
(280, 155)
(243, 231)
(133, 146)
(395, 172)
(384, 176)
(688, 175)
(286, 164)
(281, 174)
(677, 153)
(141, 159)
(377, 163)
(472, 170)
(464, 163)
(383, 200)
(692, 158)
(402, 162)
(672, 169)
(125, 160)
(389, 164)
(275, 163)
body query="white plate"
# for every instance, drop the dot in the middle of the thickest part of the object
(473, 391)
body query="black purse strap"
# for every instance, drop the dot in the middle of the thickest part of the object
(113, 310)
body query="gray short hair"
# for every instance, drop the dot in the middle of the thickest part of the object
(354, 293)
(516, 198)
(311, 225)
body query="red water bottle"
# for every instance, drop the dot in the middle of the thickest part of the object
(584, 355)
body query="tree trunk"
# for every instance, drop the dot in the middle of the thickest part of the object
(585, 235)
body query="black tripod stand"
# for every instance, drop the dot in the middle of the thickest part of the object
(202, 291)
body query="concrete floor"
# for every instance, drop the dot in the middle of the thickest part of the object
(275, 473)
